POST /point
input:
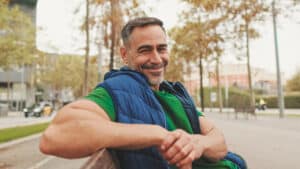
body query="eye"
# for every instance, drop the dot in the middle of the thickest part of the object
(162, 49)
(145, 50)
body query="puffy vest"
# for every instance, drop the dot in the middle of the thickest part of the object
(135, 103)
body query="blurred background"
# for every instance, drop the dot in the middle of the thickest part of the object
(228, 53)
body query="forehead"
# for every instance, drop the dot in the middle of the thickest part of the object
(151, 35)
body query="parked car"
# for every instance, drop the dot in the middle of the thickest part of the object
(39, 109)
(28, 111)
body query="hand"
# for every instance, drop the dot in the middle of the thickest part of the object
(181, 148)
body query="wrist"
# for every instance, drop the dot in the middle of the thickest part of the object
(201, 142)
(161, 134)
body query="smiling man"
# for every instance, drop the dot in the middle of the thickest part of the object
(149, 123)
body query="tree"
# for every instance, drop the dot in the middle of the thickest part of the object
(197, 39)
(245, 14)
(17, 40)
(113, 12)
(293, 84)
(65, 72)
(111, 19)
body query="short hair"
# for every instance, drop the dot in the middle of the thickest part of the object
(139, 22)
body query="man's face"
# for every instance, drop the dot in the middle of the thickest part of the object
(147, 53)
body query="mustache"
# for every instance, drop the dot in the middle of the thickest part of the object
(154, 66)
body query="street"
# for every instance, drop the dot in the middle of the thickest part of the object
(265, 142)
(26, 155)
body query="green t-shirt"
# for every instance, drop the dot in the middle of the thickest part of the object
(174, 116)
(171, 105)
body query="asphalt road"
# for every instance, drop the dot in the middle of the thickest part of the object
(26, 155)
(265, 142)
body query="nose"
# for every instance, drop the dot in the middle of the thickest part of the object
(156, 58)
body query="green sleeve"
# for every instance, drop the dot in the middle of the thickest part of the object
(101, 97)
(199, 113)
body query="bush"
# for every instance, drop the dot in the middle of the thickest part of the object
(290, 101)
(240, 98)
(237, 97)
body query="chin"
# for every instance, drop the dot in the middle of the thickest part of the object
(155, 82)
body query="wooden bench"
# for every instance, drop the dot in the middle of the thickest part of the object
(101, 160)
(245, 110)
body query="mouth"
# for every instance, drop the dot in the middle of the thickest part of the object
(156, 71)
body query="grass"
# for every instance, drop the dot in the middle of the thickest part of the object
(13, 133)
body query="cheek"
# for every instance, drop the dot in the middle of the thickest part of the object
(165, 58)
(137, 62)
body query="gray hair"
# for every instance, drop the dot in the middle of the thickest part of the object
(139, 22)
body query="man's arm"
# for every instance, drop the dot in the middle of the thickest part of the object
(215, 147)
(82, 127)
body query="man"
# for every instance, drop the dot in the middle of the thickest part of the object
(145, 120)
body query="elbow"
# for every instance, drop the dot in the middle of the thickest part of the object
(46, 145)
(219, 152)
(222, 153)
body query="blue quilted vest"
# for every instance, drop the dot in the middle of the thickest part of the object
(135, 103)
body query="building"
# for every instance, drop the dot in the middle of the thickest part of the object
(16, 88)
(231, 75)
(237, 75)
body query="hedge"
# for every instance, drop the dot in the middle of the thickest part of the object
(241, 98)
(290, 101)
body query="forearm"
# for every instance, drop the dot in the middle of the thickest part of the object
(71, 138)
(214, 144)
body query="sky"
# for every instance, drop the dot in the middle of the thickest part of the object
(57, 33)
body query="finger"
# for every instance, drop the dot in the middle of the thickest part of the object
(188, 166)
(187, 160)
(171, 138)
(177, 147)
(181, 154)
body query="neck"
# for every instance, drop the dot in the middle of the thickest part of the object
(154, 87)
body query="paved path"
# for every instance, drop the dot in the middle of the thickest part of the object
(266, 142)
(26, 155)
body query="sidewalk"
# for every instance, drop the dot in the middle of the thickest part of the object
(266, 142)
(15, 119)
(270, 111)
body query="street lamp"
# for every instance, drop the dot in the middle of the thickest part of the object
(279, 86)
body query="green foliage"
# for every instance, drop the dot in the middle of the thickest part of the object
(9, 134)
(293, 84)
(290, 101)
(66, 71)
(17, 42)
(237, 98)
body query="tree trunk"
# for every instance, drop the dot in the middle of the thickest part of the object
(220, 98)
(8, 91)
(201, 85)
(249, 68)
(87, 49)
(113, 4)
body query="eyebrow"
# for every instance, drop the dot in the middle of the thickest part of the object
(150, 47)
(144, 47)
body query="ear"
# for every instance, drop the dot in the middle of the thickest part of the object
(124, 56)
